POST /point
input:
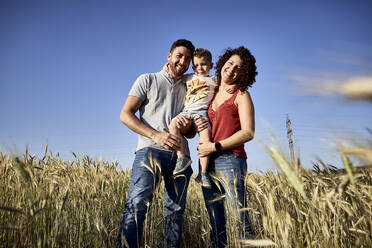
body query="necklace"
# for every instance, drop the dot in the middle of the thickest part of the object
(229, 89)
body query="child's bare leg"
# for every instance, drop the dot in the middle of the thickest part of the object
(204, 137)
(205, 181)
(183, 162)
(173, 129)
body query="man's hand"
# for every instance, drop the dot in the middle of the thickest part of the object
(200, 123)
(167, 140)
(165, 67)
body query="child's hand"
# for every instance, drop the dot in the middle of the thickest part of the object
(183, 122)
(165, 67)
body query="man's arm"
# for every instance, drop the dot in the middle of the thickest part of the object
(128, 117)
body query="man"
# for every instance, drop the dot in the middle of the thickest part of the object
(159, 97)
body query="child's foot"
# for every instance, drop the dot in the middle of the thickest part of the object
(182, 164)
(198, 178)
(205, 180)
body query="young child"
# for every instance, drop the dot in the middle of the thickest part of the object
(200, 91)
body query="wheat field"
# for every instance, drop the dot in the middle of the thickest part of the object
(51, 202)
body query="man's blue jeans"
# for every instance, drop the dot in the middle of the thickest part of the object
(148, 166)
(230, 171)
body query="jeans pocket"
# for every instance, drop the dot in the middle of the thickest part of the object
(227, 155)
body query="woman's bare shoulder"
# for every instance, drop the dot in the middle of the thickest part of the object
(243, 96)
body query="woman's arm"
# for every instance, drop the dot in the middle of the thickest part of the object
(246, 115)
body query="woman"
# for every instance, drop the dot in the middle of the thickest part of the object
(232, 122)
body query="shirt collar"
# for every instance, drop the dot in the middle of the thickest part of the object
(169, 77)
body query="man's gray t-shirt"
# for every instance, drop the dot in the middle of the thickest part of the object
(163, 99)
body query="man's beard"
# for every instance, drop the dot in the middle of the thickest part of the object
(175, 72)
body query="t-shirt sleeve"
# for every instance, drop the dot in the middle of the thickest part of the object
(140, 87)
(214, 80)
(187, 77)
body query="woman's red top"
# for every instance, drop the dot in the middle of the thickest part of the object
(225, 122)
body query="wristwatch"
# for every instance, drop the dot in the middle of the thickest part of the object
(218, 147)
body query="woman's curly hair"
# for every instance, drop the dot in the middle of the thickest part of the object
(247, 72)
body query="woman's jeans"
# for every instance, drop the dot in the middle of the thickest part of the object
(227, 187)
(148, 166)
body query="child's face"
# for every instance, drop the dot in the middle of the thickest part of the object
(201, 66)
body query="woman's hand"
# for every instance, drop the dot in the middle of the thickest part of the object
(200, 123)
(205, 148)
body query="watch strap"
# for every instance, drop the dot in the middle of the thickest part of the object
(218, 146)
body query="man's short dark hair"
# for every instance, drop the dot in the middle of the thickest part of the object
(185, 43)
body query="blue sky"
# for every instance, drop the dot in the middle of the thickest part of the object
(66, 68)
